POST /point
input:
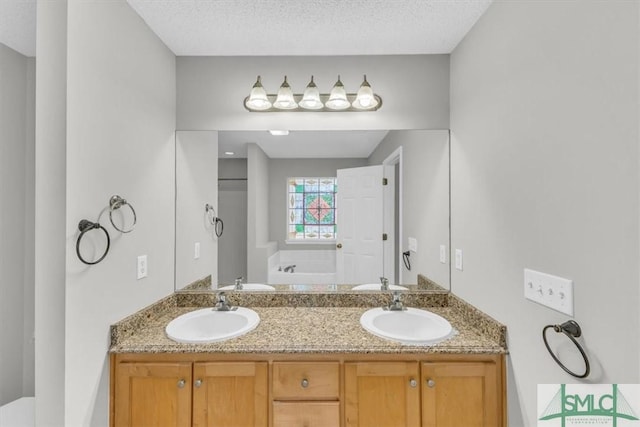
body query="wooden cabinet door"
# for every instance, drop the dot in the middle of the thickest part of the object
(382, 394)
(460, 394)
(230, 394)
(306, 414)
(153, 394)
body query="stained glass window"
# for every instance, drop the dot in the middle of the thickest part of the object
(311, 208)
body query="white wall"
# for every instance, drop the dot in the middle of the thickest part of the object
(28, 356)
(259, 248)
(232, 204)
(279, 171)
(17, 109)
(50, 212)
(425, 205)
(196, 186)
(414, 89)
(544, 119)
(121, 122)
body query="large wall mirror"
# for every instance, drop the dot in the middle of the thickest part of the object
(313, 210)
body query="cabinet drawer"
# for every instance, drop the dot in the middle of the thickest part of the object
(304, 381)
(307, 414)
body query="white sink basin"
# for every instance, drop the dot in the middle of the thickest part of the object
(208, 325)
(411, 326)
(376, 287)
(249, 287)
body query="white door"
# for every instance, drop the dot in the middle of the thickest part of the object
(359, 208)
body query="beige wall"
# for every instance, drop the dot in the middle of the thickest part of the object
(544, 119)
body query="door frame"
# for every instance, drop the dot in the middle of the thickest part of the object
(389, 250)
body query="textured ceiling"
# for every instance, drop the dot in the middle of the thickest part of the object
(302, 144)
(18, 25)
(310, 27)
(282, 27)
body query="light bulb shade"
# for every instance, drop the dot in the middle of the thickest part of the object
(285, 100)
(365, 99)
(258, 99)
(338, 97)
(311, 97)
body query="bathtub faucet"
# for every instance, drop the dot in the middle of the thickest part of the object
(289, 269)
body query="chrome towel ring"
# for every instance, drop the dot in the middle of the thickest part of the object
(572, 330)
(216, 222)
(115, 203)
(85, 226)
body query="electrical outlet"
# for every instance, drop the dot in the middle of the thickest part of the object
(413, 244)
(142, 267)
(551, 291)
(196, 251)
(459, 259)
(443, 254)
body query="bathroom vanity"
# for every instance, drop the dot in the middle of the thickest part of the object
(308, 363)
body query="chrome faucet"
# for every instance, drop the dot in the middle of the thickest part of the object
(222, 304)
(289, 269)
(384, 284)
(396, 304)
(238, 284)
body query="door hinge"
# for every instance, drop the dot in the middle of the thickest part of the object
(384, 236)
(385, 181)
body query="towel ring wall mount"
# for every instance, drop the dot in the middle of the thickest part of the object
(214, 220)
(572, 330)
(85, 226)
(115, 203)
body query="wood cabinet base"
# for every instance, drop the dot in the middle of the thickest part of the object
(312, 390)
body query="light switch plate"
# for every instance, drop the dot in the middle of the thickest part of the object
(459, 259)
(196, 250)
(142, 267)
(413, 244)
(551, 291)
(443, 254)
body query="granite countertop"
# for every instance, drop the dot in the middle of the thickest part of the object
(308, 324)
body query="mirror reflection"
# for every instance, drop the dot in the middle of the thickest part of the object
(312, 210)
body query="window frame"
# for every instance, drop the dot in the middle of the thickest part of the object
(309, 241)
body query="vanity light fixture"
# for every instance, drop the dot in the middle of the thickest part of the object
(285, 100)
(312, 100)
(366, 98)
(258, 99)
(311, 97)
(338, 97)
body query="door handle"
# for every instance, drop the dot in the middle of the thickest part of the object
(339, 246)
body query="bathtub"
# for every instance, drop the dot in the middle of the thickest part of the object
(312, 267)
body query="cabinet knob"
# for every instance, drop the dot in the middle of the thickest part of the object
(304, 383)
(431, 383)
(181, 384)
(413, 383)
(198, 383)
